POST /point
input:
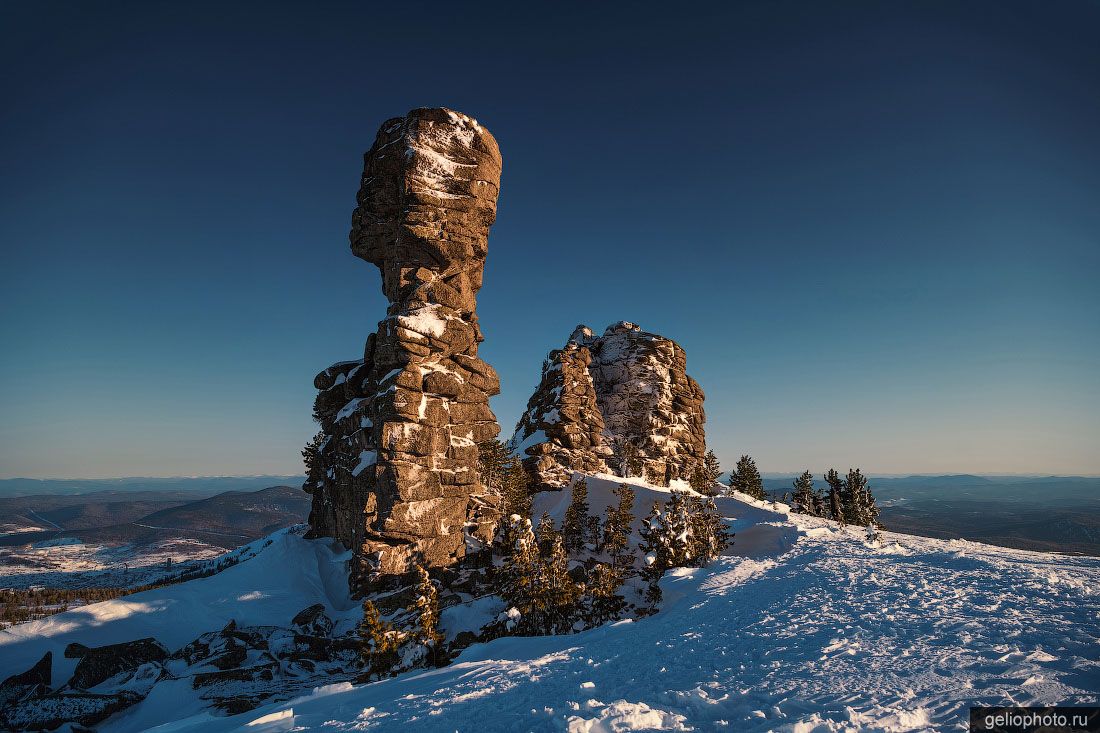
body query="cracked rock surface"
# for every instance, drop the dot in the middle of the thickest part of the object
(395, 478)
(602, 398)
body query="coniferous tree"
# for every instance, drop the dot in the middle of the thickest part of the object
(378, 642)
(704, 476)
(516, 494)
(426, 608)
(603, 602)
(836, 495)
(539, 589)
(655, 475)
(556, 602)
(520, 573)
(802, 501)
(746, 479)
(594, 536)
(616, 527)
(574, 528)
(492, 462)
(654, 553)
(860, 506)
(310, 452)
(709, 536)
(545, 533)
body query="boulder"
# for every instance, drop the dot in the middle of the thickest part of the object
(99, 664)
(313, 621)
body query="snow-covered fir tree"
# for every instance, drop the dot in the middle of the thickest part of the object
(516, 495)
(545, 533)
(602, 600)
(709, 534)
(426, 608)
(556, 600)
(654, 553)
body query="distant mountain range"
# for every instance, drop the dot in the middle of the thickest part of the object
(192, 484)
(142, 517)
(1046, 513)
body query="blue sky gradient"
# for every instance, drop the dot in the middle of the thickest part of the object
(874, 227)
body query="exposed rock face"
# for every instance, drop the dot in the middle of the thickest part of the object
(602, 398)
(396, 476)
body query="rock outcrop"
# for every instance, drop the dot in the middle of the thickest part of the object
(602, 402)
(395, 476)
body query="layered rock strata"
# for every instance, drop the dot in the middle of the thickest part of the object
(606, 401)
(395, 476)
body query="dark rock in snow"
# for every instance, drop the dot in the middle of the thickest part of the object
(313, 620)
(35, 681)
(52, 711)
(99, 664)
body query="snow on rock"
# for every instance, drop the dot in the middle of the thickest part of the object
(601, 397)
(282, 574)
(401, 425)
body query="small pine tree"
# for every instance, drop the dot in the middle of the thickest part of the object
(493, 460)
(655, 475)
(616, 527)
(574, 528)
(746, 479)
(603, 602)
(836, 495)
(676, 526)
(426, 608)
(595, 534)
(802, 501)
(707, 476)
(654, 553)
(557, 598)
(860, 506)
(378, 642)
(519, 573)
(310, 452)
(709, 536)
(546, 532)
(515, 491)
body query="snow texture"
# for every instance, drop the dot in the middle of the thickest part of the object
(802, 626)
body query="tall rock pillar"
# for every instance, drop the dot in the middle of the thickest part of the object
(395, 475)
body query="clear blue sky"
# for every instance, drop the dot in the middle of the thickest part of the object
(875, 227)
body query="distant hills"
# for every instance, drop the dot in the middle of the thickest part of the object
(227, 519)
(1045, 513)
(193, 484)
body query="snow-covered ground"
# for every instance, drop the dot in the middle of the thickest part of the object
(803, 627)
(67, 562)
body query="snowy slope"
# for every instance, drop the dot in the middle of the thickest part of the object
(805, 627)
(286, 574)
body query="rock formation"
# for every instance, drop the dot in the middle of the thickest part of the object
(604, 399)
(395, 476)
